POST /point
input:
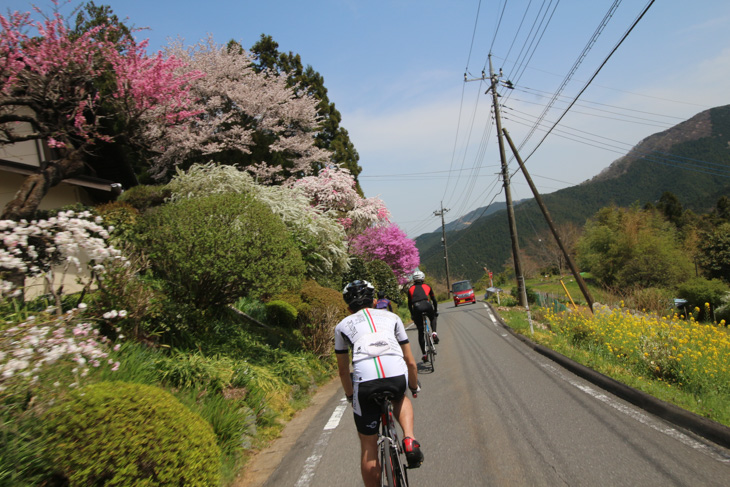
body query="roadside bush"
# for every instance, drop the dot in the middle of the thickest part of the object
(531, 294)
(117, 433)
(318, 333)
(317, 297)
(216, 249)
(124, 288)
(651, 299)
(357, 270)
(281, 313)
(319, 237)
(699, 291)
(142, 197)
(123, 217)
(384, 279)
(312, 297)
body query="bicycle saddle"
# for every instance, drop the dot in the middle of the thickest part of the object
(379, 397)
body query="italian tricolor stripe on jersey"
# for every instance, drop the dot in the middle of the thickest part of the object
(378, 363)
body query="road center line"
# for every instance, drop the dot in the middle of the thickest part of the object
(311, 463)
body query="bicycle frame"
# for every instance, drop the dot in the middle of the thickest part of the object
(428, 337)
(393, 470)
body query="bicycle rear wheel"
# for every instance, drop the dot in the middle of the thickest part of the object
(399, 469)
(430, 348)
(431, 353)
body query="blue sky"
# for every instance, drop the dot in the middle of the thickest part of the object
(395, 70)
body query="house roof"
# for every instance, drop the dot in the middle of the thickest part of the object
(84, 181)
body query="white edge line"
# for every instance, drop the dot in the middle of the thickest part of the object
(311, 463)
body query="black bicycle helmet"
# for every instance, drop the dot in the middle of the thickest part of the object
(358, 295)
(381, 294)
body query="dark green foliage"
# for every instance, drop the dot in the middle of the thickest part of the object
(216, 249)
(384, 280)
(714, 255)
(313, 299)
(122, 216)
(699, 291)
(143, 197)
(117, 433)
(281, 313)
(531, 294)
(358, 271)
(629, 248)
(670, 207)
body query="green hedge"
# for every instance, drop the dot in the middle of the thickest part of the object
(216, 249)
(119, 433)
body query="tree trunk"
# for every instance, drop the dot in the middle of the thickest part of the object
(36, 186)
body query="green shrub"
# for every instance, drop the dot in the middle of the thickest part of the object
(216, 249)
(699, 291)
(357, 270)
(384, 280)
(531, 294)
(143, 197)
(318, 297)
(117, 433)
(122, 216)
(281, 313)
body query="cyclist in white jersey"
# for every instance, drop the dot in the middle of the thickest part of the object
(381, 361)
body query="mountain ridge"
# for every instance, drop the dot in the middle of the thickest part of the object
(684, 159)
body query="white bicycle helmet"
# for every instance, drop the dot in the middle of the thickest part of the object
(419, 276)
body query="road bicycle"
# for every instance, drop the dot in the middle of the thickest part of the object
(428, 338)
(390, 450)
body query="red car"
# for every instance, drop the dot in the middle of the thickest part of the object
(463, 293)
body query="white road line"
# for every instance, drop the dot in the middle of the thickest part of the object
(491, 316)
(311, 464)
(642, 418)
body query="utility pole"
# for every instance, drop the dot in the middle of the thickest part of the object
(507, 192)
(443, 241)
(573, 268)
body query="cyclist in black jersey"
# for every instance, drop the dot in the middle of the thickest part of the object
(422, 300)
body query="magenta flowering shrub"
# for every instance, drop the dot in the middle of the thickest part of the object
(389, 244)
(28, 348)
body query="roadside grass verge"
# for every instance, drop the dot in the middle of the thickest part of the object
(638, 351)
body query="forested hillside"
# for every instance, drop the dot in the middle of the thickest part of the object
(690, 160)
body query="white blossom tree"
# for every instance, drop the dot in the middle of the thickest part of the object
(334, 189)
(245, 118)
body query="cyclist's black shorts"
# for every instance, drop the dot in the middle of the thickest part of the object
(368, 422)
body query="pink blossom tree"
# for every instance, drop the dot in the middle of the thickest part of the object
(61, 87)
(334, 189)
(246, 118)
(389, 244)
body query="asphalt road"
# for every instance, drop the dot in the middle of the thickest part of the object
(495, 412)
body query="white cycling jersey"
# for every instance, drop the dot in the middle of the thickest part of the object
(375, 337)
